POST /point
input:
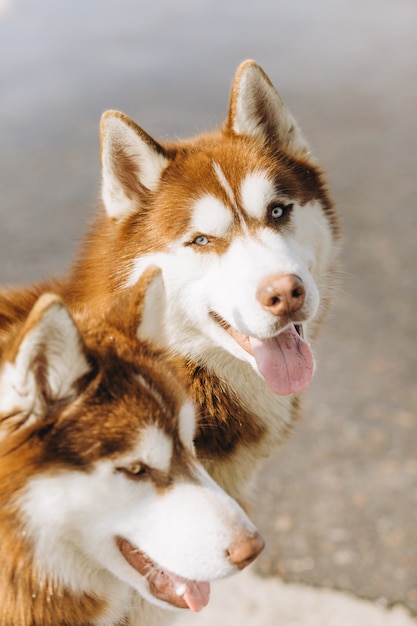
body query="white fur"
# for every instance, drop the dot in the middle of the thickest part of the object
(187, 425)
(198, 284)
(211, 217)
(254, 260)
(224, 183)
(54, 338)
(154, 449)
(257, 192)
(74, 517)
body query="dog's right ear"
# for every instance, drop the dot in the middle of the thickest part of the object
(43, 363)
(132, 164)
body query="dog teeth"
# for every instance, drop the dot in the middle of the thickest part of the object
(180, 589)
(299, 330)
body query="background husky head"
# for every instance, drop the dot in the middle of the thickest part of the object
(101, 493)
(240, 223)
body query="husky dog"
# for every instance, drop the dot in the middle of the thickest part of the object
(106, 516)
(241, 223)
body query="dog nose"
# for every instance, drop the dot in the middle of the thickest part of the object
(245, 549)
(281, 294)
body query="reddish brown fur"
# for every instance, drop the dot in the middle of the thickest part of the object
(234, 426)
(103, 420)
(78, 434)
(110, 248)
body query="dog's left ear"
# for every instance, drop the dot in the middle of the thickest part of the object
(256, 109)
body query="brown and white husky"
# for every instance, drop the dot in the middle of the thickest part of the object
(241, 223)
(106, 516)
(242, 226)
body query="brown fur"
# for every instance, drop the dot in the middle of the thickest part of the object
(105, 261)
(103, 419)
(109, 249)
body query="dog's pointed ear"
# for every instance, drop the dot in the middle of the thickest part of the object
(140, 310)
(256, 109)
(152, 304)
(43, 363)
(132, 164)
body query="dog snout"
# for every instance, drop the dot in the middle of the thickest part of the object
(281, 294)
(245, 549)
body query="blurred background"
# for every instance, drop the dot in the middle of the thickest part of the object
(337, 504)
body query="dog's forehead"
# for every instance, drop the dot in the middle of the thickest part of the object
(220, 187)
(257, 191)
(153, 446)
(245, 196)
(211, 215)
(121, 403)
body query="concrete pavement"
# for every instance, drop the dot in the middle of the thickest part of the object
(248, 600)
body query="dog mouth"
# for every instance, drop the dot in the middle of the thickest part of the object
(164, 585)
(285, 361)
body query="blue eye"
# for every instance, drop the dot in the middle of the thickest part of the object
(277, 212)
(201, 240)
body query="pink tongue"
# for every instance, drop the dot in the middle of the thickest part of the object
(196, 595)
(164, 585)
(285, 361)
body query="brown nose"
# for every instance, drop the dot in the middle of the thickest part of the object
(245, 549)
(282, 294)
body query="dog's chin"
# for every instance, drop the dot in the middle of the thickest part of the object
(165, 588)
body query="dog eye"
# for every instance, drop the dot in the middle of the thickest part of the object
(134, 470)
(279, 210)
(201, 240)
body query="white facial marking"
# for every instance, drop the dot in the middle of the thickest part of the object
(227, 284)
(257, 192)
(153, 449)
(187, 424)
(224, 183)
(191, 527)
(73, 517)
(211, 217)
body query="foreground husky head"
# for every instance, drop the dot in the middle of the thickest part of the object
(240, 223)
(101, 494)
